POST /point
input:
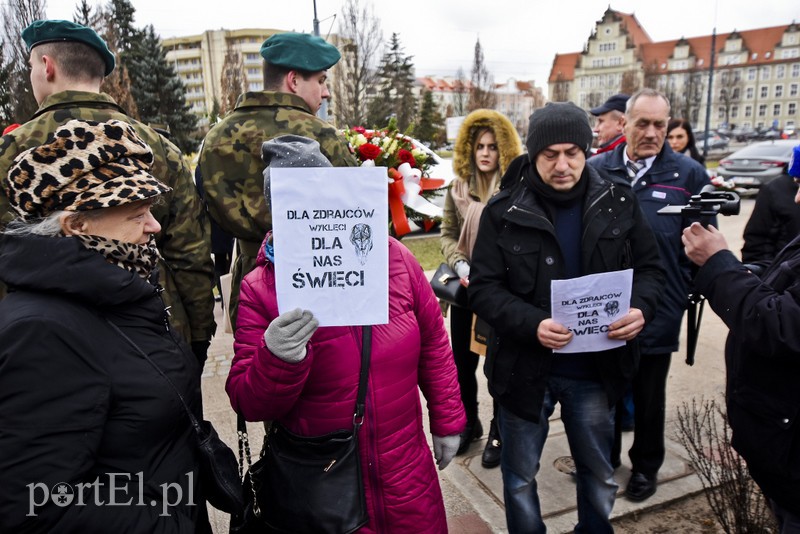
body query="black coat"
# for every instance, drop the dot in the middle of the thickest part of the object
(774, 222)
(762, 356)
(515, 258)
(77, 402)
(671, 180)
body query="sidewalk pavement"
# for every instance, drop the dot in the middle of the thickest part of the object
(474, 495)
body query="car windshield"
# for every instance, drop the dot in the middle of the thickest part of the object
(764, 151)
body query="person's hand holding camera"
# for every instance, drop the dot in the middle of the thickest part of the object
(701, 243)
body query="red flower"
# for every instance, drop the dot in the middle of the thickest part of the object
(404, 156)
(359, 129)
(368, 151)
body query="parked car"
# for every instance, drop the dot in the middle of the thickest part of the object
(757, 164)
(715, 140)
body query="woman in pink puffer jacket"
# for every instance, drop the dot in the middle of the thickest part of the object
(312, 391)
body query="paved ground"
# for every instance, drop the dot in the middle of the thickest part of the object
(473, 495)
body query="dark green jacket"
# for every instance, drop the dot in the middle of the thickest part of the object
(187, 272)
(231, 165)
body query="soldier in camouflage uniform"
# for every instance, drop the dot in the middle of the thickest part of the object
(187, 273)
(230, 161)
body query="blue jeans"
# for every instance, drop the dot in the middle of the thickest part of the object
(589, 424)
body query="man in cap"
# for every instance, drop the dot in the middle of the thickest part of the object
(560, 219)
(295, 76)
(762, 357)
(610, 123)
(659, 177)
(68, 64)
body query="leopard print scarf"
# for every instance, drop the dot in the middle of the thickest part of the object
(139, 259)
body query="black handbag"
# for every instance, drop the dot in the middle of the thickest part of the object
(304, 484)
(447, 286)
(219, 478)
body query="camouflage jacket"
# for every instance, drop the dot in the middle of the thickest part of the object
(231, 165)
(187, 272)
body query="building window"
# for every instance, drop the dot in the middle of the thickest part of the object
(748, 111)
(780, 71)
(735, 93)
(778, 91)
(721, 113)
(748, 93)
(792, 108)
(791, 53)
(796, 70)
(751, 74)
(734, 111)
(614, 61)
(583, 82)
(598, 63)
(765, 73)
(793, 89)
(608, 47)
(762, 110)
(776, 110)
(764, 91)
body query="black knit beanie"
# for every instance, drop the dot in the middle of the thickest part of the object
(558, 122)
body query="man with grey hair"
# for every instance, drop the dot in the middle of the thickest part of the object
(658, 177)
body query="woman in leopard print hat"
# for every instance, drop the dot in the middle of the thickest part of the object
(85, 417)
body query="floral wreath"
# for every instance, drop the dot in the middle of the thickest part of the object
(410, 186)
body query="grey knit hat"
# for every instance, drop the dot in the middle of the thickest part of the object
(558, 122)
(290, 151)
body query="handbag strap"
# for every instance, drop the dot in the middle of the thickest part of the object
(361, 397)
(192, 418)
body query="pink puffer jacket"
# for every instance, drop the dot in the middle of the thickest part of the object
(317, 395)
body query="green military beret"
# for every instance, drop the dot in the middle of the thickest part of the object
(51, 31)
(300, 51)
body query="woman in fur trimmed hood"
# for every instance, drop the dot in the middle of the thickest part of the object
(487, 143)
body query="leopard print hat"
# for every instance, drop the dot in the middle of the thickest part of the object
(84, 165)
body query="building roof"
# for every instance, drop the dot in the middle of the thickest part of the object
(759, 44)
(564, 67)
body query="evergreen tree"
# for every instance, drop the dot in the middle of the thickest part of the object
(160, 94)
(84, 15)
(481, 92)
(117, 84)
(214, 114)
(429, 125)
(395, 96)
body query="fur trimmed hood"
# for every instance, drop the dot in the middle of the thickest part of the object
(508, 141)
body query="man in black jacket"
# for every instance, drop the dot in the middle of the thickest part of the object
(558, 219)
(762, 357)
(658, 177)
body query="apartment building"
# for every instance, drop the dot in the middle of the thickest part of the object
(515, 99)
(199, 59)
(756, 72)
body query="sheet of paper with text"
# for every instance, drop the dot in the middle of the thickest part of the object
(331, 237)
(588, 304)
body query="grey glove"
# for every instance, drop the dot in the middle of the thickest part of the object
(444, 449)
(286, 336)
(461, 268)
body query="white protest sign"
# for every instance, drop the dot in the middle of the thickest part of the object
(587, 305)
(331, 237)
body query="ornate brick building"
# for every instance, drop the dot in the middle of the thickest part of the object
(756, 72)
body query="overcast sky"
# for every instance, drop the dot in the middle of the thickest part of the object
(519, 37)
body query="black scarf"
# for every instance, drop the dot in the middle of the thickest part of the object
(549, 195)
